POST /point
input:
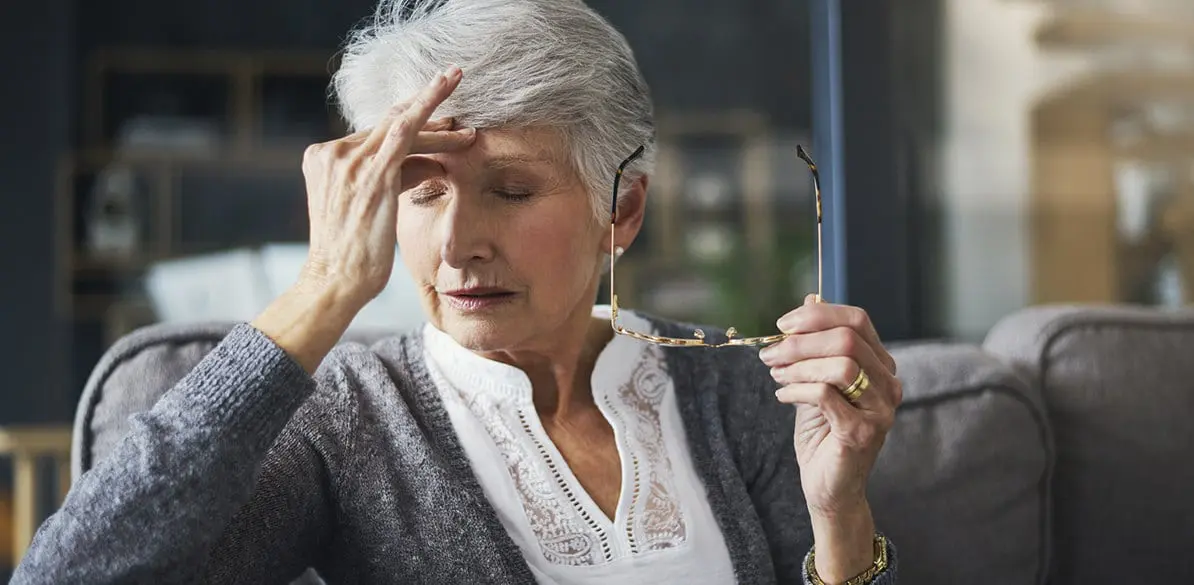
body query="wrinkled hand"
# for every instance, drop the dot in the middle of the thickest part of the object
(353, 185)
(837, 442)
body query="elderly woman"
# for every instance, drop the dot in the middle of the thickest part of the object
(518, 437)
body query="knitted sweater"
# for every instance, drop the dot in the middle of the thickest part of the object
(250, 471)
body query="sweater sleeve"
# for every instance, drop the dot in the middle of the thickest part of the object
(156, 508)
(775, 488)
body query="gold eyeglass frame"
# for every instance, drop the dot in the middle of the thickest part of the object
(698, 336)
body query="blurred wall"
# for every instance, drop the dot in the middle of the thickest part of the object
(35, 119)
(993, 73)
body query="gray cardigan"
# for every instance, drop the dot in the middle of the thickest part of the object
(250, 471)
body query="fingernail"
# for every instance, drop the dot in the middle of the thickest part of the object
(453, 72)
(786, 322)
(775, 372)
(766, 353)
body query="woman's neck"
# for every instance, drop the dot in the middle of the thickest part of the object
(561, 371)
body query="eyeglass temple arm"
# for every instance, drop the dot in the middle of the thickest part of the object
(812, 166)
(613, 205)
(613, 218)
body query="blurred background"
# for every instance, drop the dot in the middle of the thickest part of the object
(998, 154)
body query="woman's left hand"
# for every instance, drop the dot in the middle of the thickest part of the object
(837, 442)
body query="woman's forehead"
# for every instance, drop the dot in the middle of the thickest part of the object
(498, 149)
(534, 153)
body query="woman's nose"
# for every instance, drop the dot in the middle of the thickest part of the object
(465, 235)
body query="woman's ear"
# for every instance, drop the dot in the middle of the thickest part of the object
(632, 207)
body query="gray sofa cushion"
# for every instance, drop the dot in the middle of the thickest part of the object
(962, 484)
(135, 372)
(130, 378)
(1119, 386)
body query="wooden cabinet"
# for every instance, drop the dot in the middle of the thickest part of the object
(179, 152)
(183, 152)
(1134, 108)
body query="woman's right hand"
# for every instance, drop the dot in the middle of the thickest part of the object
(352, 190)
(352, 195)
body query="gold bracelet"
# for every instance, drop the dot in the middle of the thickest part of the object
(880, 565)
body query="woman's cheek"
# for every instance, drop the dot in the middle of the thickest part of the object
(416, 243)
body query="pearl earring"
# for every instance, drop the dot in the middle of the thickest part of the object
(618, 251)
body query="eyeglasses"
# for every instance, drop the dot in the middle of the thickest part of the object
(698, 336)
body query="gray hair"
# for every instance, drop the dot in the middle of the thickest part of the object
(527, 63)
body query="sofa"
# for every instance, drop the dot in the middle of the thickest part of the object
(1060, 450)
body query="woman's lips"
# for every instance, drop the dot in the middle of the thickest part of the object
(477, 299)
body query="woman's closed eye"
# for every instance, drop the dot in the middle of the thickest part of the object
(513, 194)
(426, 194)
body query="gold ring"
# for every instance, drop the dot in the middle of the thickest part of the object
(857, 387)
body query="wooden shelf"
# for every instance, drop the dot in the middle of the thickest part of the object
(249, 116)
(1107, 89)
(238, 77)
(264, 159)
(84, 263)
(25, 445)
(1087, 29)
(1158, 147)
(157, 60)
(35, 439)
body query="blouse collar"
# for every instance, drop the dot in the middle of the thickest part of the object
(471, 374)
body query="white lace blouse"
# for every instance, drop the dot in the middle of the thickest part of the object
(664, 529)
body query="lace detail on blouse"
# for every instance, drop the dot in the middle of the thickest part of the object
(568, 535)
(570, 531)
(656, 521)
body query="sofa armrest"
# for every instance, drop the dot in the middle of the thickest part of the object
(962, 485)
(1118, 384)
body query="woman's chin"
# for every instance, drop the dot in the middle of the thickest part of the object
(479, 333)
